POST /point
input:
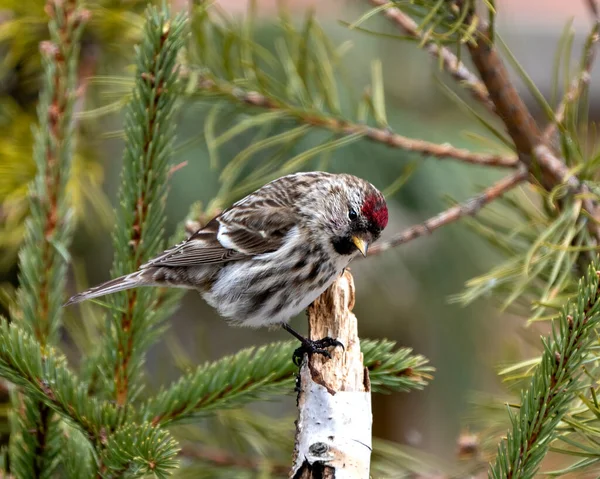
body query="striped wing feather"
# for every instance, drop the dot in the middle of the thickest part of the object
(247, 230)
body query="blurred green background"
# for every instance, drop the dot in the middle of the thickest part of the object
(401, 295)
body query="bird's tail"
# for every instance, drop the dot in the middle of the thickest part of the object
(133, 280)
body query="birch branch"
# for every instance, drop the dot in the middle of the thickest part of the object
(333, 430)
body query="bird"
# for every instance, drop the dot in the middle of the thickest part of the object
(266, 258)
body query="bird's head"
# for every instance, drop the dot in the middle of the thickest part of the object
(352, 213)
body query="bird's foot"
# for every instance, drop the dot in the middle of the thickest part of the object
(309, 346)
(318, 346)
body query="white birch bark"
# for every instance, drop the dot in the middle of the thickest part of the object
(333, 430)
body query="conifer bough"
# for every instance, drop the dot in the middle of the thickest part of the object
(554, 385)
(127, 441)
(36, 440)
(149, 132)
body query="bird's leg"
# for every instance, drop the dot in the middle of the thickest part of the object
(309, 346)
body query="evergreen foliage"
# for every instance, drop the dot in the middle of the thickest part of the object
(554, 385)
(149, 131)
(91, 419)
(97, 423)
(136, 451)
(255, 373)
(36, 441)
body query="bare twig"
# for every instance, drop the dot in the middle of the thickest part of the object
(452, 65)
(510, 107)
(343, 127)
(582, 80)
(468, 208)
(548, 168)
(426, 148)
(556, 167)
(532, 148)
(551, 163)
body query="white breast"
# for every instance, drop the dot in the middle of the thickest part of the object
(270, 277)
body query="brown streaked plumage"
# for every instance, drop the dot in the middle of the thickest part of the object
(267, 257)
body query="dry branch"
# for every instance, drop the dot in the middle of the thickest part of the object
(582, 80)
(534, 148)
(510, 107)
(452, 65)
(343, 127)
(333, 430)
(468, 208)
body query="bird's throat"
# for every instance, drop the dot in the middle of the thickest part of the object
(344, 245)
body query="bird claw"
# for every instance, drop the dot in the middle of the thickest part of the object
(318, 346)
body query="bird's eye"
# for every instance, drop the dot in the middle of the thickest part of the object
(352, 214)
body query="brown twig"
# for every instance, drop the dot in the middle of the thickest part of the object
(343, 127)
(532, 146)
(551, 163)
(582, 80)
(176, 168)
(510, 107)
(452, 65)
(468, 208)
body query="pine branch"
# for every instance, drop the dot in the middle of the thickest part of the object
(149, 131)
(76, 454)
(44, 376)
(549, 169)
(510, 107)
(139, 450)
(580, 83)
(300, 90)
(34, 452)
(545, 165)
(553, 386)
(43, 258)
(217, 88)
(450, 62)
(135, 449)
(260, 372)
(468, 208)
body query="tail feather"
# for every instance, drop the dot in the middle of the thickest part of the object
(122, 283)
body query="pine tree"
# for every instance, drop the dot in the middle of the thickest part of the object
(99, 420)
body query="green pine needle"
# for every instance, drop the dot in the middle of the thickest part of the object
(149, 132)
(288, 96)
(35, 439)
(255, 373)
(46, 377)
(136, 451)
(553, 387)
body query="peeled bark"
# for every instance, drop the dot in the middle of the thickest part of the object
(333, 430)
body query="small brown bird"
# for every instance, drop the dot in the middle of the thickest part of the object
(271, 254)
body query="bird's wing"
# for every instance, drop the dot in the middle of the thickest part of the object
(241, 232)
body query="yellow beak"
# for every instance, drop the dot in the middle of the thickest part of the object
(361, 244)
